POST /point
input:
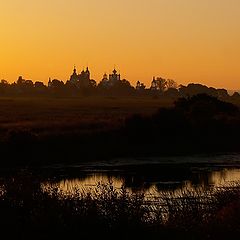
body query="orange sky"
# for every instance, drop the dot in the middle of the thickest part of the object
(186, 40)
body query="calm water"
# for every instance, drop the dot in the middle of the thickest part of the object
(151, 178)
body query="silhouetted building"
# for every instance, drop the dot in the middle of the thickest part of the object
(49, 82)
(74, 77)
(105, 77)
(105, 81)
(112, 80)
(20, 80)
(154, 84)
(114, 77)
(82, 79)
(23, 82)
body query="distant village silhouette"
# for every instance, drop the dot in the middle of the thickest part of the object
(81, 84)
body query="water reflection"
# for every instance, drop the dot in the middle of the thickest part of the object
(152, 184)
(69, 186)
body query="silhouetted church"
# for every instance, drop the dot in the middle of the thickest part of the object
(83, 78)
(112, 79)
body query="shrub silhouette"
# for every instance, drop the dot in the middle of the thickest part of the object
(205, 105)
(21, 137)
(200, 123)
(28, 210)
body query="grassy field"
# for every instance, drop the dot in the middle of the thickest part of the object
(50, 129)
(46, 116)
(54, 130)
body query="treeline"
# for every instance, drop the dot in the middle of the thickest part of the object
(160, 87)
(60, 88)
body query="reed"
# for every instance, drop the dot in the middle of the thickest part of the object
(28, 210)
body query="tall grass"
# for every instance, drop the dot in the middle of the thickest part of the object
(28, 211)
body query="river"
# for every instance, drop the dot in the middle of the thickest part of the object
(151, 176)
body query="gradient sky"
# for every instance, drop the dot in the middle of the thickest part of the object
(186, 40)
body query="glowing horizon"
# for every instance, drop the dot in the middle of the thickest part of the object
(188, 41)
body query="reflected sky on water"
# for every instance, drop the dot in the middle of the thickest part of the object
(150, 184)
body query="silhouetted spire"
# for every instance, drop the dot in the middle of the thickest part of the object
(49, 82)
(74, 70)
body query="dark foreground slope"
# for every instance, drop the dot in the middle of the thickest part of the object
(200, 124)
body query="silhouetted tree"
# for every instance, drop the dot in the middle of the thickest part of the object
(236, 95)
(93, 83)
(159, 84)
(222, 93)
(4, 82)
(205, 105)
(195, 89)
(4, 87)
(57, 84)
(140, 86)
(171, 84)
(172, 92)
(39, 85)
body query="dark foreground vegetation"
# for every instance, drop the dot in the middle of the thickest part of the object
(34, 132)
(30, 211)
(72, 132)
